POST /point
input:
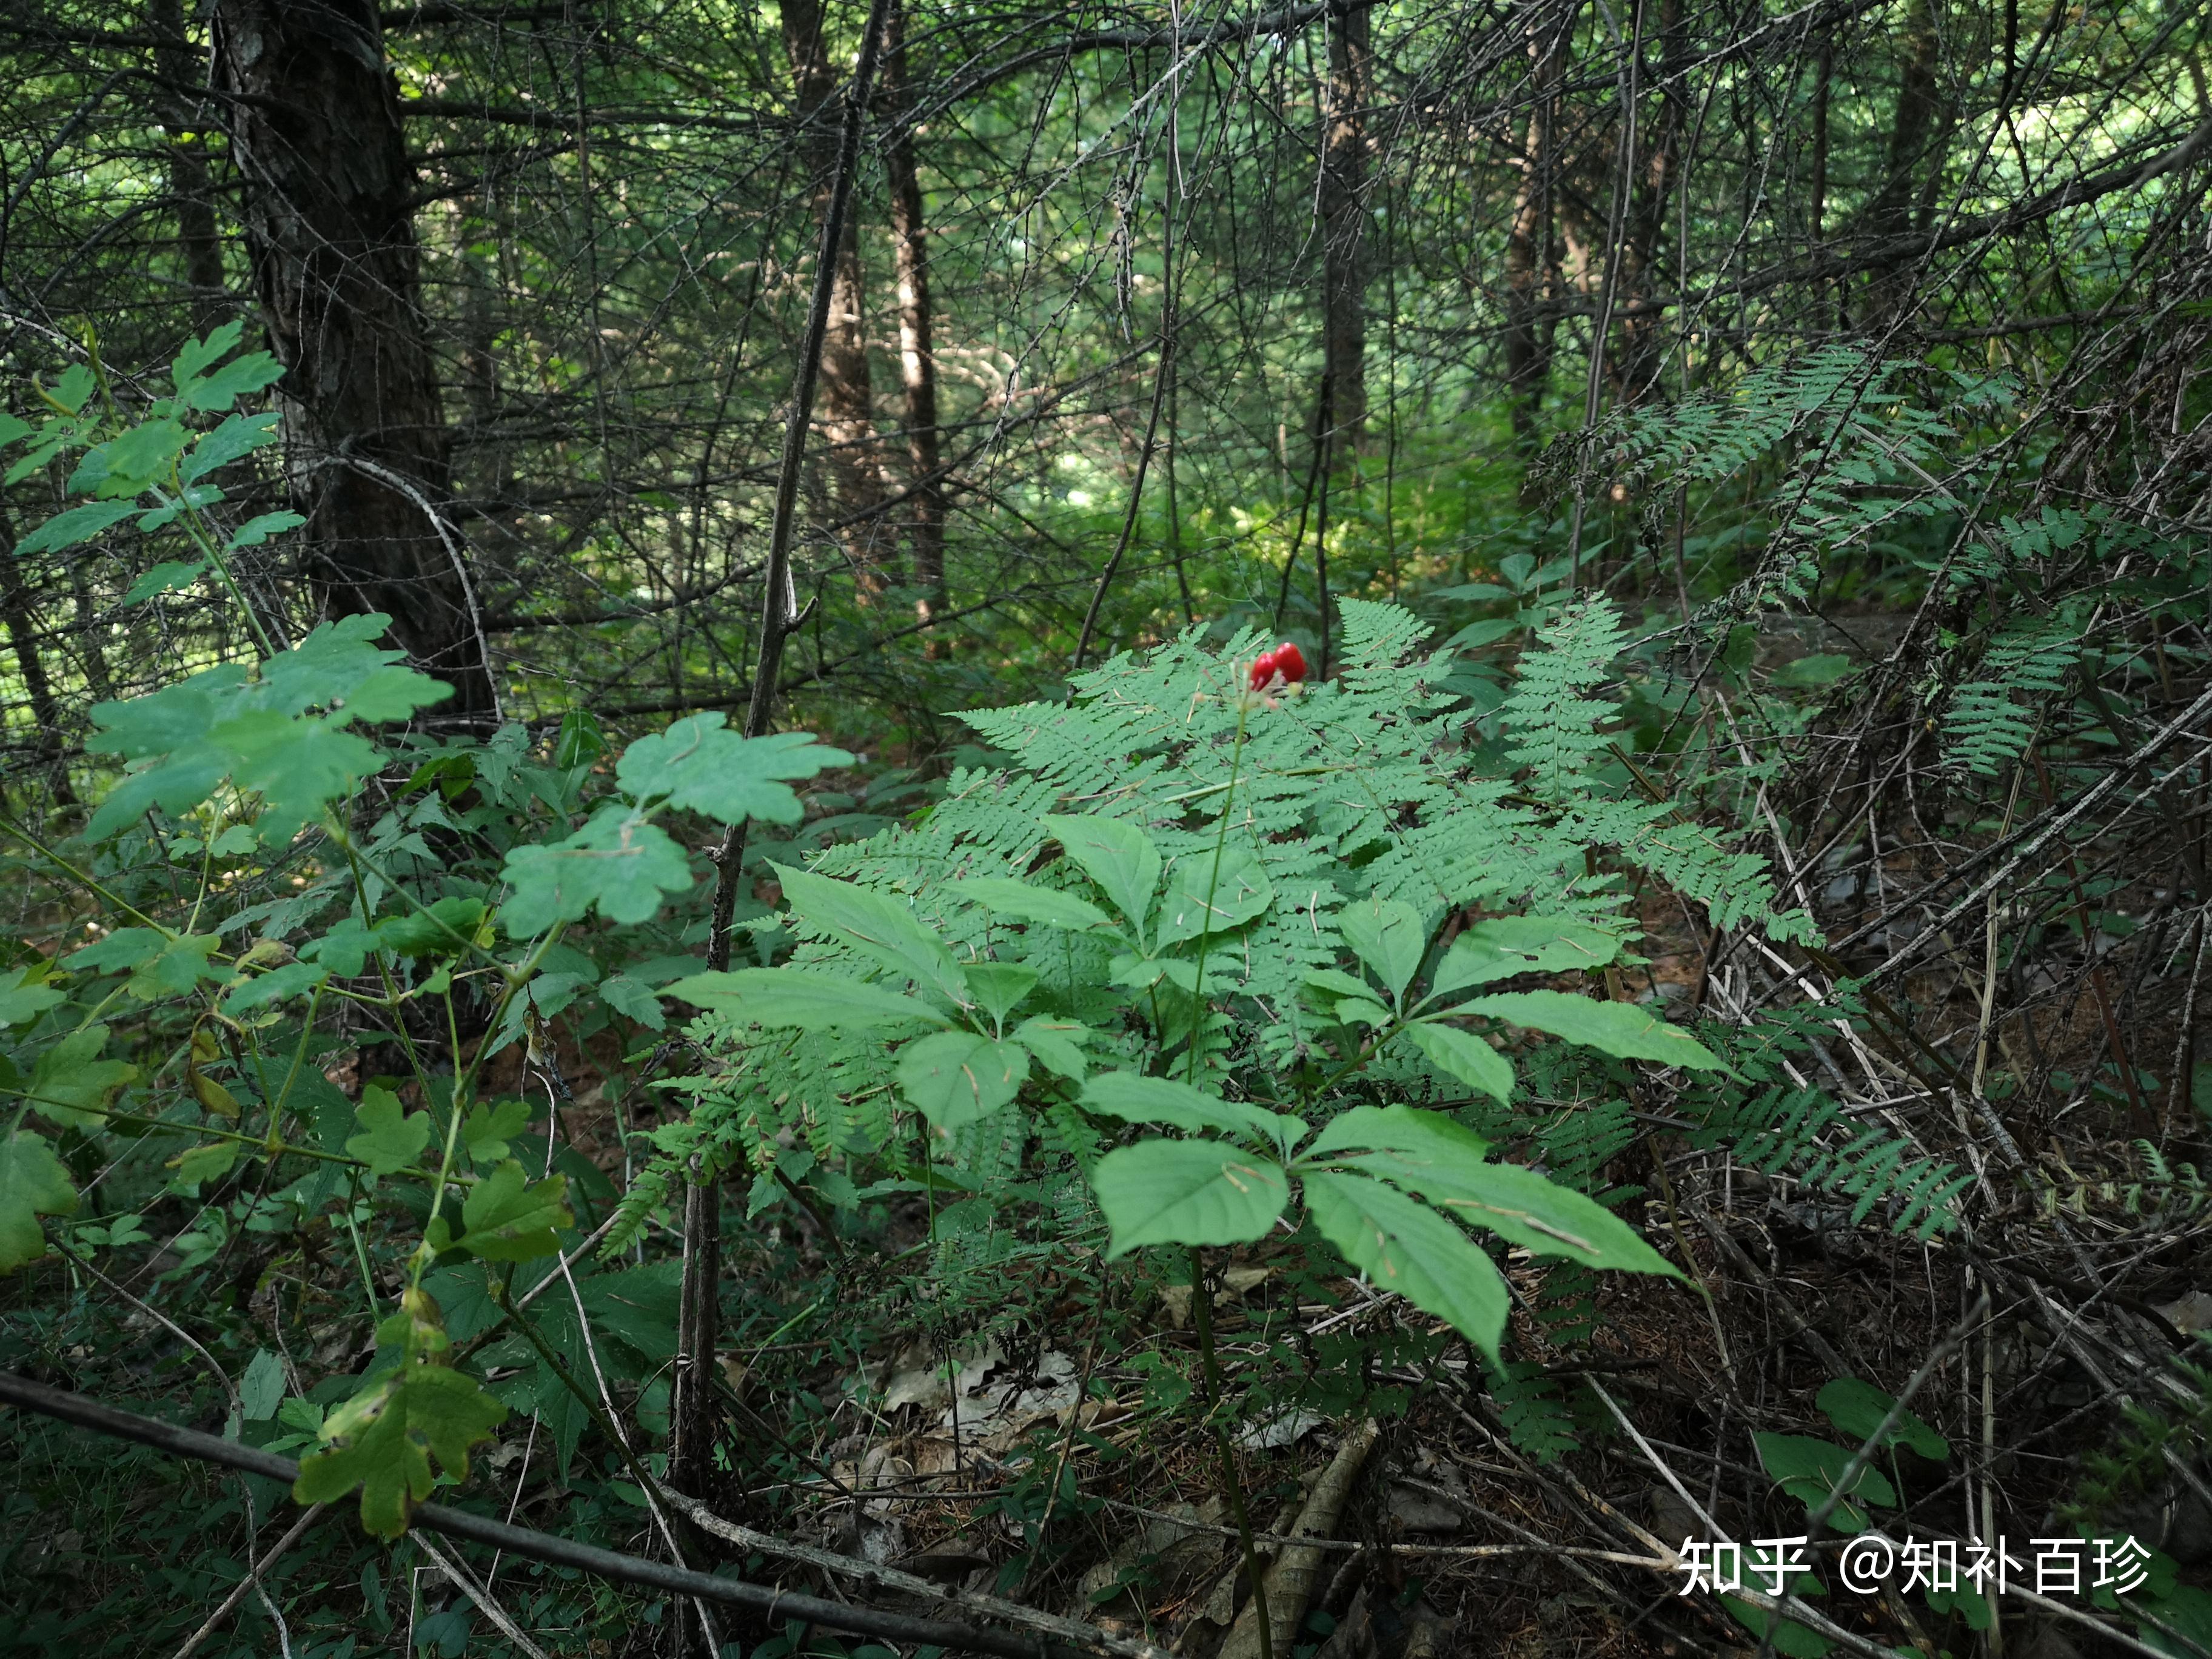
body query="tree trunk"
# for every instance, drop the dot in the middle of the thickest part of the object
(1344, 223)
(23, 640)
(198, 238)
(1824, 74)
(917, 355)
(1642, 351)
(315, 133)
(1528, 257)
(848, 414)
(1891, 211)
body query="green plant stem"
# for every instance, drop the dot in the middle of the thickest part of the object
(267, 1144)
(87, 882)
(1214, 881)
(1232, 1489)
(503, 1294)
(193, 522)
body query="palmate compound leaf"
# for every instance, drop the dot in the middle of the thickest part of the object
(1623, 1030)
(618, 862)
(1810, 1469)
(1504, 946)
(954, 1077)
(1057, 1044)
(1858, 1409)
(1116, 854)
(382, 1441)
(878, 925)
(1022, 901)
(793, 998)
(1135, 1098)
(1187, 1192)
(1445, 1162)
(33, 1182)
(1403, 1245)
(257, 730)
(999, 987)
(1387, 935)
(1463, 1055)
(510, 1218)
(1207, 897)
(699, 765)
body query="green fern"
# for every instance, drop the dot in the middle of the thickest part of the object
(1360, 791)
(1992, 717)
(1535, 1409)
(1846, 446)
(1778, 1127)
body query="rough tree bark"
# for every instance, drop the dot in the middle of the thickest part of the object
(848, 412)
(328, 206)
(1344, 224)
(917, 355)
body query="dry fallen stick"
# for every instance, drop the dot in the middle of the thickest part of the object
(768, 1600)
(1290, 1581)
(466, 1581)
(1347, 1546)
(252, 1581)
(1089, 1637)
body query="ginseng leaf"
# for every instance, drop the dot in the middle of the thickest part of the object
(1187, 1192)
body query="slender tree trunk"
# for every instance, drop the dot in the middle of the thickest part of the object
(692, 1415)
(1642, 351)
(1344, 223)
(23, 641)
(198, 238)
(1528, 257)
(917, 353)
(848, 412)
(88, 631)
(1824, 74)
(1890, 213)
(328, 190)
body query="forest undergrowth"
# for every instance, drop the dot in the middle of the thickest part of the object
(1495, 948)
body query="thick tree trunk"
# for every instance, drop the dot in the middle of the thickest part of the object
(848, 412)
(917, 355)
(198, 238)
(1344, 224)
(1529, 254)
(315, 133)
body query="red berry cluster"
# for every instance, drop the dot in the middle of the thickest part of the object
(1285, 662)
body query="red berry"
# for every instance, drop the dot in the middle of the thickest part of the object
(1263, 669)
(1290, 662)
